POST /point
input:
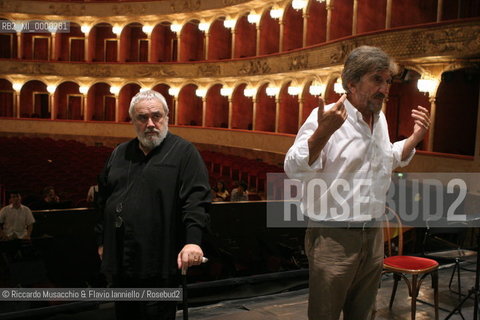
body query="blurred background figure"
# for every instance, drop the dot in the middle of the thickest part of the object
(220, 193)
(16, 220)
(240, 192)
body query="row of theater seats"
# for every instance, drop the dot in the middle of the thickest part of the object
(230, 168)
(28, 164)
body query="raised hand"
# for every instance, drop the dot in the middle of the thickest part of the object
(421, 117)
(329, 121)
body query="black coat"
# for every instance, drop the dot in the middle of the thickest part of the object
(163, 197)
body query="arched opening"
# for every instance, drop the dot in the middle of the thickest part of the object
(371, 15)
(245, 38)
(293, 29)
(70, 46)
(330, 95)
(402, 98)
(456, 112)
(8, 44)
(101, 104)
(412, 12)
(103, 43)
(124, 98)
(341, 25)
(316, 23)
(36, 46)
(265, 111)
(69, 102)
(269, 34)
(163, 90)
(164, 44)
(220, 41)
(190, 107)
(134, 44)
(216, 114)
(459, 9)
(192, 42)
(310, 102)
(242, 109)
(35, 100)
(288, 111)
(7, 99)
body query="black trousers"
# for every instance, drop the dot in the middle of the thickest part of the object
(144, 310)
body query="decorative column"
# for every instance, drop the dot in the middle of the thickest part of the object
(230, 108)
(329, 7)
(282, 27)
(355, 17)
(440, 10)
(233, 31)
(254, 120)
(388, 15)
(53, 53)
(16, 107)
(277, 112)
(431, 132)
(257, 45)
(205, 45)
(300, 111)
(19, 45)
(305, 27)
(175, 109)
(204, 110)
(117, 109)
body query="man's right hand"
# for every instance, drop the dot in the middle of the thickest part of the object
(328, 122)
(100, 252)
(331, 120)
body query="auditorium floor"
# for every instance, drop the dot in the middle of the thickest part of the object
(293, 305)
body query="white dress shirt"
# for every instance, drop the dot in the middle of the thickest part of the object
(16, 220)
(350, 178)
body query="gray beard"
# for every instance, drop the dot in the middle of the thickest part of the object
(152, 142)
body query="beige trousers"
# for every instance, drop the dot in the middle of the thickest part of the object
(345, 270)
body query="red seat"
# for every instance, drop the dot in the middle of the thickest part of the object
(401, 266)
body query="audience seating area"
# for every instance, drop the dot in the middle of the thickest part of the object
(28, 164)
(230, 168)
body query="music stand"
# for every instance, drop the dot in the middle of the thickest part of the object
(474, 290)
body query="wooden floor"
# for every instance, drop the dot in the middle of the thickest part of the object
(292, 305)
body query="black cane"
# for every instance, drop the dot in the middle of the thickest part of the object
(184, 287)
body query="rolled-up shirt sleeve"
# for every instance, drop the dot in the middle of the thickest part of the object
(397, 148)
(296, 160)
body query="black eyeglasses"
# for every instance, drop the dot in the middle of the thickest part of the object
(143, 118)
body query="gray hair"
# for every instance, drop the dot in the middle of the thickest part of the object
(363, 60)
(146, 95)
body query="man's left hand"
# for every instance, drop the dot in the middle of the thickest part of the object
(190, 255)
(421, 117)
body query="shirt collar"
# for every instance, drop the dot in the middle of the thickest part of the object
(352, 111)
(357, 115)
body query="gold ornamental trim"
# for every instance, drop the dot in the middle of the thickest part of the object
(438, 44)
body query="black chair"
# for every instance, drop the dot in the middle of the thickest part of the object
(447, 245)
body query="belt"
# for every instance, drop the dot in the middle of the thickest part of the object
(349, 224)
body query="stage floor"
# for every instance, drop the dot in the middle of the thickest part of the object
(293, 305)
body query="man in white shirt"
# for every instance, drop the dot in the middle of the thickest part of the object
(345, 147)
(16, 219)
